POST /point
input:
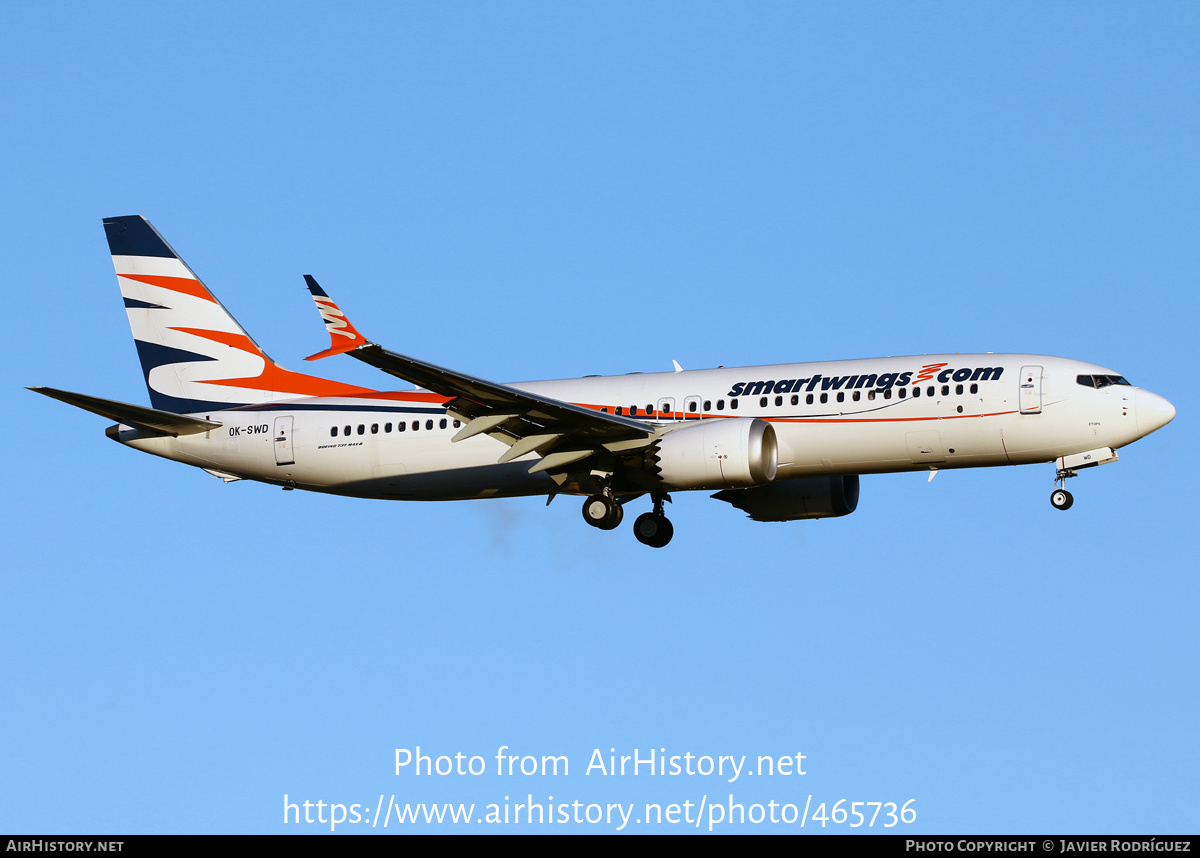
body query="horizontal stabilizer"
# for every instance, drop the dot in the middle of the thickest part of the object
(138, 416)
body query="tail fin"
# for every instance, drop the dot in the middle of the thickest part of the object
(195, 355)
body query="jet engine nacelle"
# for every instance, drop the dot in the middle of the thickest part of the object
(717, 454)
(792, 500)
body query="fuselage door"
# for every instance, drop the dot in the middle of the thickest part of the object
(283, 441)
(691, 408)
(666, 408)
(1031, 390)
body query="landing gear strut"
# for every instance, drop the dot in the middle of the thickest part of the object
(602, 511)
(1070, 466)
(653, 528)
(1060, 498)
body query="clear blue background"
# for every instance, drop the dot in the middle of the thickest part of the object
(547, 190)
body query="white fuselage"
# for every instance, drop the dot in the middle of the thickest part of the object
(874, 415)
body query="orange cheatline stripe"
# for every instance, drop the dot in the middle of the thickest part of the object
(186, 285)
(882, 419)
(403, 395)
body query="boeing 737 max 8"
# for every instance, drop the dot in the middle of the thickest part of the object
(781, 443)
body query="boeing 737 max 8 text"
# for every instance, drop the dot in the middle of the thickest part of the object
(781, 443)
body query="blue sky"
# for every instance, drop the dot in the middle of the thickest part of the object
(547, 190)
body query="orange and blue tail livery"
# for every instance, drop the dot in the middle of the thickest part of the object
(194, 354)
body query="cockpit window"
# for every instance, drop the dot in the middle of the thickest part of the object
(1100, 380)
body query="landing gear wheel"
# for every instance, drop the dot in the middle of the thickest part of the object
(1061, 498)
(603, 512)
(653, 529)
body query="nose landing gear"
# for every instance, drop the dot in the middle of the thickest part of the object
(1070, 466)
(1060, 498)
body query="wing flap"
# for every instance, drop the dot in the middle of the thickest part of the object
(529, 444)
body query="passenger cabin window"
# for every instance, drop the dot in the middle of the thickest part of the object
(778, 400)
(974, 388)
(416, 425)
(841, 397)
(333, 432)
(808, 400)
(870, 395)
(795, 400)
(916, 392)
(387, 428)
(887, 394)
(857, 395)
(442, 424)
(633, 411)
(400, 427)
(428, 424)
(958, 389)
(374, 428)
(945, 390)
(824, 398)
(733, 404)
(720, 404)
(902, 392)
(346, 431)
(762, 403)
(692, 407)
(708, 405)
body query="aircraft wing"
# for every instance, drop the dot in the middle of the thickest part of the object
(562, 433)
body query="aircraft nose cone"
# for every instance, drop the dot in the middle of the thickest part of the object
(1153, 412)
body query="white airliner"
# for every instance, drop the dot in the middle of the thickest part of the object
(781, 442)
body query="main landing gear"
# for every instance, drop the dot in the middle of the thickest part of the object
(654, 528)
(651, 528)
(603, 511)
